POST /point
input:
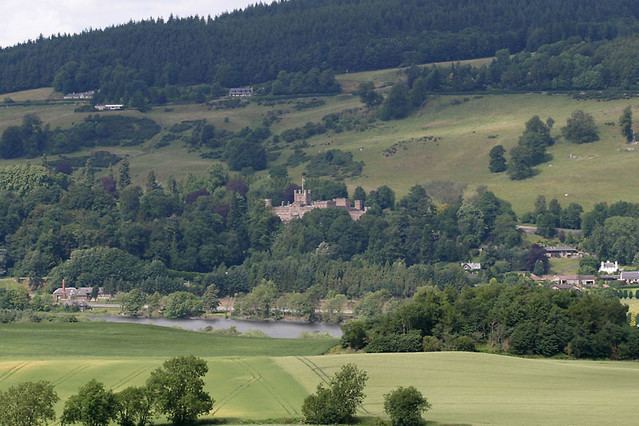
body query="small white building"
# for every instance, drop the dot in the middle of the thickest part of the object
(113, 107)
(609, 267)
(80, 96)
(241, 92)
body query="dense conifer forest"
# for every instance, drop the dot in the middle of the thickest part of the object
(254, 45)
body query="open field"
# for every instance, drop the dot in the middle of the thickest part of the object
(268, 379)
(564, 266)
(41, 94)
(386, 77)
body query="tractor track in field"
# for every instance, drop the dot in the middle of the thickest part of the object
(70, 373)
(126, 379)
(236, 391)
(315, 369)
(321, 374)
(13, 370)
(283, 403)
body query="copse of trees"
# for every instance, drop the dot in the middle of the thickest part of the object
(625, 123)
(497, 159)
(518, 319)
(580, 128)
(175, 390)
(530, 150)
(32, 138)
(549, 217)
(28, 404)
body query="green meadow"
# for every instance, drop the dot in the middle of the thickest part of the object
(264, 380)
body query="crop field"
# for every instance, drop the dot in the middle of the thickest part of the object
(255, 379)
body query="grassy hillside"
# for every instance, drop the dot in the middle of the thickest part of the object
(386, 77)
(468, 127)
(448, 140)
(464, 388)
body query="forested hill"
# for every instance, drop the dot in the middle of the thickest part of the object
(253, 45)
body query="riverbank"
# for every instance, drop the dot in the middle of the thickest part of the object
(282, 329)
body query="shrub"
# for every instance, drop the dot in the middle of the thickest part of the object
(337, 402)
(431, 344)
(405, 406)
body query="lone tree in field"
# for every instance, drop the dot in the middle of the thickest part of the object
(28, 404)
(405, 406)
(178, 390)
(580, 128)
(135, 406)
(92, 406)
(337, 402)
(497, 159)
(625, 122)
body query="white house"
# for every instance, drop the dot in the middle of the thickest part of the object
(471, 267)
(116, 107)
(609, 267)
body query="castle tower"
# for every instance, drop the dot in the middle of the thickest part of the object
(302, 197)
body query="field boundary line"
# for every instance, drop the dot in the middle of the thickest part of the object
(283, 403)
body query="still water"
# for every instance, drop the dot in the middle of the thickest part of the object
(278, 329)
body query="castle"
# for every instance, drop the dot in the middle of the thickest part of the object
(303, 203)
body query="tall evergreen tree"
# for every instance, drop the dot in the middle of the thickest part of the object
(497, 159)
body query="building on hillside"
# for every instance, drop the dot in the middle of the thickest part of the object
(114, 107)
(66, 294)
(566, 281)
(563, 251)
(471, 267)
(241, 92)
(609, 267)
(303, 203)
(80, 96)
(629, 277)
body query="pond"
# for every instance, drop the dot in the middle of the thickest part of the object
(277, 329)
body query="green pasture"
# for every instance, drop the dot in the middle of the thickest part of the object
(41, 94)
(564, 266)
(101, 339)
